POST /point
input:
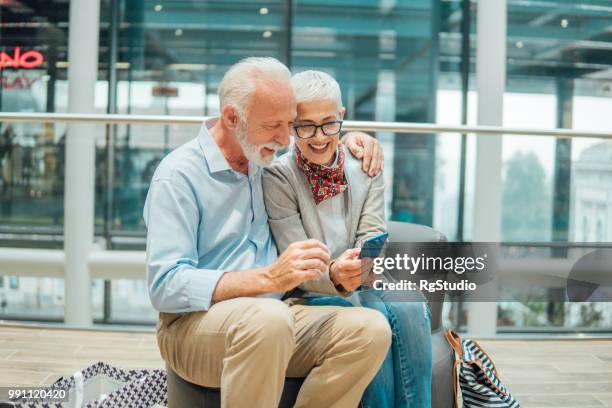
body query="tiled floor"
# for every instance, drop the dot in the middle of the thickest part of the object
(555, 373)
(31, 356)
(540, 373)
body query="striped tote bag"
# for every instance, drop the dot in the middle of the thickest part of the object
(475, 378)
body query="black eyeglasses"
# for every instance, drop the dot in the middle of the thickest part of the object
(308, 131)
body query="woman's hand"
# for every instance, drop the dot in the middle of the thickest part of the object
(346, 270)
(365, 148)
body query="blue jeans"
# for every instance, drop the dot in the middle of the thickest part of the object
(404, 379)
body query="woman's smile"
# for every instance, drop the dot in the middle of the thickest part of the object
(319, 148)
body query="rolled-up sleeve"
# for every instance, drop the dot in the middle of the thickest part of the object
(372, 220)
(172, 217)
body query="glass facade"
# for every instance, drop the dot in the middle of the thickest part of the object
(395, 60)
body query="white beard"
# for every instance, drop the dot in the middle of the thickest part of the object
(253, 152)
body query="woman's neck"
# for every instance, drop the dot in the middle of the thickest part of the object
(332, 159)
(328, 163)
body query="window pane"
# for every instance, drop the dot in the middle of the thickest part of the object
(171, 58)
(385, 57)
(26, 298)
(130, 302)
(557, 189)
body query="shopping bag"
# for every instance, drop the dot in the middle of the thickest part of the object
(104, 386)
(475, 378)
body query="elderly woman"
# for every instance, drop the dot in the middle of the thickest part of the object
(317, 190)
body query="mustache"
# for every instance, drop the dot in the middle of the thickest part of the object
(272, 146)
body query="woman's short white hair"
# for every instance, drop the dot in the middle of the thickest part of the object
(239, 82)
(310, 86)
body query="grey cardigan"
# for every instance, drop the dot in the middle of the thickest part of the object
(292, 213)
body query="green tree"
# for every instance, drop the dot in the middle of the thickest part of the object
(526, 202)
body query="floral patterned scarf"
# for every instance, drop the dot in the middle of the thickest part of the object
(325, 181)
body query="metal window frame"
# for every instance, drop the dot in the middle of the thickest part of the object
(348, 125)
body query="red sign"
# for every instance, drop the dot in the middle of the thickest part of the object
(29, 59)
(19, 82)
(163, 90)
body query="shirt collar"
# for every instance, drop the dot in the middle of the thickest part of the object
(215, 159)
(253, 170)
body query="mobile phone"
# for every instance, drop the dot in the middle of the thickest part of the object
(372, 247)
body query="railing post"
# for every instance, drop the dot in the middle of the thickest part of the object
(80, 160)
(491, 83)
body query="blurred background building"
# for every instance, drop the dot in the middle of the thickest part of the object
(396, 61)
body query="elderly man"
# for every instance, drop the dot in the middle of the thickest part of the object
(213, 270)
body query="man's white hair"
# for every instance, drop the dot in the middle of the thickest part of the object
(239, 82)
(310, 86)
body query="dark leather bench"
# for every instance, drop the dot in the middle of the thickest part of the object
(182, 393)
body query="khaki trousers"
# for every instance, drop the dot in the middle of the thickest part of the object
(246, 346)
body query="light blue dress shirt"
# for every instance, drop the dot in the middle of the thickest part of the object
(203, 219)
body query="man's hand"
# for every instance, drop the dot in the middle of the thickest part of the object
(366, 148)
(346, 270)
(300, 262)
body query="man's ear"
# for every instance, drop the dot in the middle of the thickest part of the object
(229, 116)
(342, 112)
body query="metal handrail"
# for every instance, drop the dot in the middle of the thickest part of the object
(366, 126)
